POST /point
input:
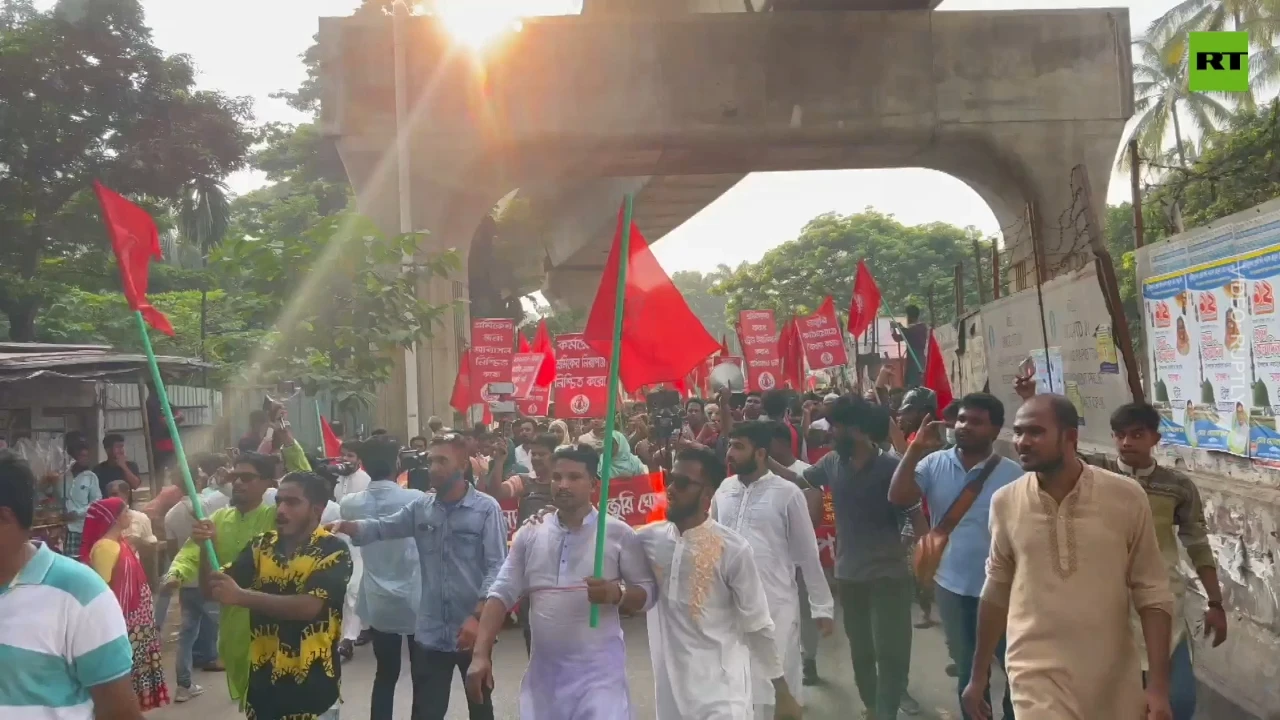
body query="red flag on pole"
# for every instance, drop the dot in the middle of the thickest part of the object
(865, 305)
(935, 373)
(460, 400)
(791, 355)
(542, 343)
(332, 445)
(654, 312)
(724, 346)
(135, 240)
(524, 344)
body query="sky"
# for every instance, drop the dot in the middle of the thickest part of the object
(251, 47)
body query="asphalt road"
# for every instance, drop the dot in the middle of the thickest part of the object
(835, 698)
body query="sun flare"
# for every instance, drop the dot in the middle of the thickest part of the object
(480, 24)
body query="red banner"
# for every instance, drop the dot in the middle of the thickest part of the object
(538, 404)
(827, 532)
(758, 332)
(636, 501)
(524, 370)
(492, 349)
(582, 379)
(821, 338)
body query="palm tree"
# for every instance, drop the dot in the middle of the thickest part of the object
(1260, 18)
(1162, 101)
(204, 215)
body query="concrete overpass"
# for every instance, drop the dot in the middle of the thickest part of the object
(1008, 102)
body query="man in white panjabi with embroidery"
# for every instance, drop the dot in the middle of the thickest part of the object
(773, 516)
(711, 617)
(576, 672)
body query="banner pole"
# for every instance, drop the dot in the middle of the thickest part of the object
(620, 297)
(158, 387)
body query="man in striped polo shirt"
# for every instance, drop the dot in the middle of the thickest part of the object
(63, 643)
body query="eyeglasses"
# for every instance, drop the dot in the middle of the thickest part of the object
(244, 476)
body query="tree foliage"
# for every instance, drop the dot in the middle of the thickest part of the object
(333, 302)
(906, 261)
(698, 291)
(84, 95)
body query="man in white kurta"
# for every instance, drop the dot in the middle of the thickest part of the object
(773, 517)
(575, 672)
(347, 485)
(711, 616)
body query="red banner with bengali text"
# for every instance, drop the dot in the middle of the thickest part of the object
(758, 333)
(524, 371)
(492, 349)
(820, 335)
(582, 379)
(538, 404)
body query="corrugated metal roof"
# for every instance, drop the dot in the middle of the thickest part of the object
(78, 362)
(34, 347)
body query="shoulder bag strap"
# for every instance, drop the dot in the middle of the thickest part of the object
(956, 512)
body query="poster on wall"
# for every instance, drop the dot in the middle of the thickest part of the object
(1260, 272)
(1220, 417)
(1170, 327)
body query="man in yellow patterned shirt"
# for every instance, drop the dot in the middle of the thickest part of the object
(292, 581)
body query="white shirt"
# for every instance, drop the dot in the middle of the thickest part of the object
(522, 458)
(772, 515)
(798, 466)
(350, 484)
(820, 424)
(711, 608)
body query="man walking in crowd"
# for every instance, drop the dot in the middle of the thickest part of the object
(247, 517)
(772, 515)
(576, 672)
(461, 538)
(1175, 503)
(353, 482)
(780, 452)
(1071, 648)
(61, 629)
(116, 466)
(391, 583)
(198, 636)
(533, 492)
(711, 617)
(291, 581)
(958, 485)
(871, 564)
(525, 431)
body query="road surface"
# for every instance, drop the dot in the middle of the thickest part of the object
(835, 698)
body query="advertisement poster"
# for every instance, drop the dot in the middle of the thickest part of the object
(1261, 274)
(1170, 328)
(492, 347)
(822, 340)
(582, 379)
(758, 332)
(1220, 416)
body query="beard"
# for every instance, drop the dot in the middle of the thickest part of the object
(746, 467)
(677, 513)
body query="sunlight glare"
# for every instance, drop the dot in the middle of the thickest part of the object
(479, 24)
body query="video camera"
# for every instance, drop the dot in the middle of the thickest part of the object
(665, 413)
(414, 464)
(333, 468)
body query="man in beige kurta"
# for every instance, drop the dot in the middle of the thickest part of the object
(1068, 574)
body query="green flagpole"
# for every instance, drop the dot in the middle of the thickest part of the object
(320, 429)
(158, 385)
(611, 407)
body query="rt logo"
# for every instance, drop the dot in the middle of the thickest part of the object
(1219, 62)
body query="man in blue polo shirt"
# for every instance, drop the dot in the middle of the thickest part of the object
(63, 643)
(939, 476)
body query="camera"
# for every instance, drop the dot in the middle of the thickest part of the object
(333, 468)
(665, 413)
(414, 464)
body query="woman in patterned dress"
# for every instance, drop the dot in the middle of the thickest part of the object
(105, 549)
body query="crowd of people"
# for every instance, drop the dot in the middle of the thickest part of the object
(1063, 572)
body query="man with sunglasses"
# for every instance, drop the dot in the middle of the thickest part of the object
(231, 529)
(461, 536)
(711, 618)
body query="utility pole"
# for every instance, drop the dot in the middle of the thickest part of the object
(403, 183)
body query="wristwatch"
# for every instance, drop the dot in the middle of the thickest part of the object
(622, 592)
(1215, 604)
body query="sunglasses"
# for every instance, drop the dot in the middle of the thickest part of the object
(244, 476)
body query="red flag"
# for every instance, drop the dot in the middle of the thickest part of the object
(135, 240)
(865, 305)
(332, 445)
(662, 340)
(542, 343)
(935, 373)
(791, 354)
(460, 400)
(524, 344)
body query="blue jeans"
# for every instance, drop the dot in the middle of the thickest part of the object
(959, 615)
(1182, 682)
(198, 639)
